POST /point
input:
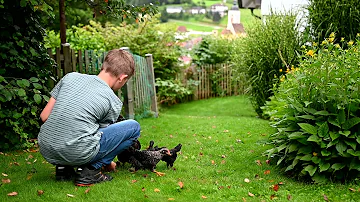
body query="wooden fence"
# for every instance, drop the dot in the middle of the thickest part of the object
(139, 92)
(215, 80)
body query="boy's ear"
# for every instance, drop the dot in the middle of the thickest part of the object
(123, 76)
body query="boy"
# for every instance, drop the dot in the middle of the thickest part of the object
(79, 122)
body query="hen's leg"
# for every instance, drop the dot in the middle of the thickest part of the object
(157, 173)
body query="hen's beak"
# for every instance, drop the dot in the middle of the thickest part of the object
(168, 153)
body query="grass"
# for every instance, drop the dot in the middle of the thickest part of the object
(222, 146)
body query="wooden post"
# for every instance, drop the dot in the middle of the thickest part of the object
(129, 99)
(73, 60)
(87, 62)
(80, 60)
(151, 78)
(58, 62)
(67, 58)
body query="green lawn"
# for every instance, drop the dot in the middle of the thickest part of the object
(221, 160)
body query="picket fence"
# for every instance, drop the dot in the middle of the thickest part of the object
(138, 94)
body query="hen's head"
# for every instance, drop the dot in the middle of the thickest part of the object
(165, 152)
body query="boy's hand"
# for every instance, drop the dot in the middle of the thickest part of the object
(110, 167)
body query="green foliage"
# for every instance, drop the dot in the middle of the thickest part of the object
(341, 16)
(170, 92)
(316, 111)
(24, 72)
(268, 49)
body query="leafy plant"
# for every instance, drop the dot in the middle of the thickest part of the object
(25, 72)
(171, 91)
(268, 50)
(317, 114)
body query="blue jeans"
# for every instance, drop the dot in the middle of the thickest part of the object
(115, 138)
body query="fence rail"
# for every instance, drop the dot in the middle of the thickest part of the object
(139, 92)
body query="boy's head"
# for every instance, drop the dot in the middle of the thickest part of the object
(118, 62)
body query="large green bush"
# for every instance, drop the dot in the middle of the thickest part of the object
(268, 50)
(341, 16)
(25, 70)
(316, 111)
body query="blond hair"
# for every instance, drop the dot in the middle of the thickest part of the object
(119, 62)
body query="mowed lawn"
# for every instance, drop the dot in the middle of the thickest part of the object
(221, 160)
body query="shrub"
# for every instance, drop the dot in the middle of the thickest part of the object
(170, 92)
(316, 111)
(25, 69)
(341, 16)
(268, 50)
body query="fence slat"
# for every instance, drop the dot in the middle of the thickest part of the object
(80, 60)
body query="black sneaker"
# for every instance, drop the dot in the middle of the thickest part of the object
(64, 173)
(88, 177)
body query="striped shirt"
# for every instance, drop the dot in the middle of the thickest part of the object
(84, 103)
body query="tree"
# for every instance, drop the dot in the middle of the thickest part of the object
(216, 17)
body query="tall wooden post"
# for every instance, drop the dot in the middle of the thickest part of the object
(62, 21)
(151, 79)
(129, 96)
(67, 58)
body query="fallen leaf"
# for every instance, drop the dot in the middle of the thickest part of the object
(252, 151)
(325, 197)
(212, 162)
(29, 177)
(70, 195)
(171, 199)
(201, 154)
(223, 162)
(258, 162)
(40, 192)
(352, 189)
(146, 196)
(209, 137)
(171, 136)
(289, 197)
(5, 181)
(244, 199)
(28, 162)
(143, 189)
(1, 153)
(280, 183)
(267, 172)
(272, 197)
(257, 176)
(181, 185)
(12, 194)
(30, 156)
(16, 163)
(156, 190)
(229, 187)
(133, 181)
(226, 131)
(213, 126)
(246, 180)
(204, 197)
(221, 187)
(87, 190)
(5, 175)
(276, 187)
(145, 175)
(251, 194)
(223, 156)
(267, 161)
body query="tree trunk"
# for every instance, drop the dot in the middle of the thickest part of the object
(62, 21)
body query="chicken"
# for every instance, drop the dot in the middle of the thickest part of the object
(172, 158)
(124, 157)
(145, 159)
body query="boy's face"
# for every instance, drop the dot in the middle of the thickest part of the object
(121, 80)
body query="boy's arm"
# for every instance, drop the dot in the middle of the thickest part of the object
(47, 110)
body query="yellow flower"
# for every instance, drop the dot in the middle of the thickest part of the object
(358, 34)
(303, 46)
(310, 53)
(292, 68)
(287, 70)
(331, 39)
(342, 39)
(324, 42)
(280, 70)
(337, 45)
(282, 78)
(350, 43)
(315, 154)
(315, 44)
(297, 69)
(332, 35)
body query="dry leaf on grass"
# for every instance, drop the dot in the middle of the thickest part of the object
(276, 187)
(204, 197)
(133, 181)
(244, 199)
(156, 190)
(212, 162)
(272, 197)
(16, 163)
(251, 194)
(258, 162)
(40, 192)
(246, 180)
(87, 190)
(181, 185)
(226, 131)
(171, 199)
(5, 181)
(267, 161)
(143, 189)
(325, 197)
(352, 189)
(289, 197)
(70, 195)
(267, 172)
(12, 194)
(5, 175)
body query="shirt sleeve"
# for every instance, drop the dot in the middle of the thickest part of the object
(55, 91)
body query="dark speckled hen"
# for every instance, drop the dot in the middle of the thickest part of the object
(124, 157)
(145, 159)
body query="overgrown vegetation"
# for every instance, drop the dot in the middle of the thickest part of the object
(342, 17)
(316, 112)
(264, 55)
(24, 74)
